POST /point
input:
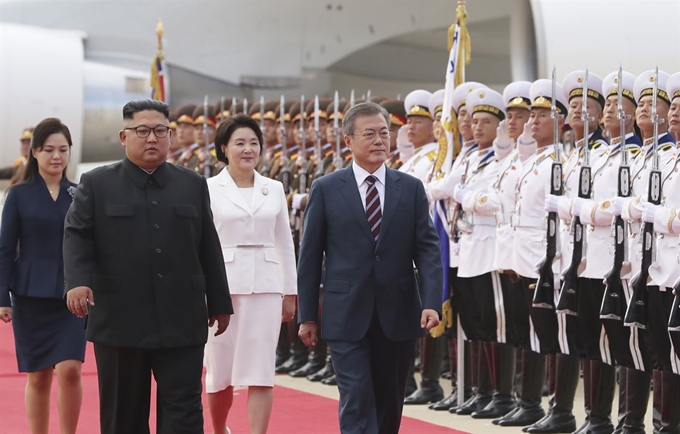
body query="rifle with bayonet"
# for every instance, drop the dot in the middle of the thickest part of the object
(284, 173)
(266, 158)
(337, 158)
(317, 133)
(207, 162)
(614, 299)
(544, 296)
(568, 300)
(637, 313)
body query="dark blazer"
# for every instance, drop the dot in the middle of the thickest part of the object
(33, 221)
(147, 246)
(361, 275)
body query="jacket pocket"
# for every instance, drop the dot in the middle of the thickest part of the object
(119, 210)
(332, 285)
(198, 282)
(270, 255)
(407, 284)
(106, 283)
(186, 211)
(228, 254)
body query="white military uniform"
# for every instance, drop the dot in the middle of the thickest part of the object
(421, 163)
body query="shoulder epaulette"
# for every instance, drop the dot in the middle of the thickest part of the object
(666, 147)
(634, 150)
(213, 153)
(432, 155)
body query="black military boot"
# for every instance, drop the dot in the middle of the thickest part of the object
(637, 398)
(560, 419)
(529, 410)
(670, 407)
(587, 388)
(483, 394)
(657, 400)
(602, 386)
(503, 363)
(330, 381)
(298, 351)
(621, 375)
(325, 372)
(283, 346)
(451, 401)
(315, 361)
(431, 354)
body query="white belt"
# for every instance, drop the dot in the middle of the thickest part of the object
(248, 246)
(501, 219)
(527, 221)
(482, 220)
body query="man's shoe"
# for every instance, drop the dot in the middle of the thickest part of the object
(425, 396)
(330, 381)
(291, 364)
(512, 413)
(496, 408)
(584, 429)
(477, 403)
(556, 423)
(324, 373)
(446, 403)
(521, 417)
(308, 368)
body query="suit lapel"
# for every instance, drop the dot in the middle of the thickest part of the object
(260, 192)
(229, 190)
(392, 195)
(350, 192)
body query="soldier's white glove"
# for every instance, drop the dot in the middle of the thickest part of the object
(648, 211)
(577, 205)
(552, 202)
(502, 145)
(459, 192)
(406, 148)
(617, 204)
(526, 145)
(297, 200)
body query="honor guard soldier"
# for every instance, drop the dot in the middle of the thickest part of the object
(314, 157)
(185, 134)
(659, 295)
(14, 172)
(266, 119)
(479, 373)
(571, 329)
(419, 129)
(284, 137)
(513, 145)
(666, 272)
(204, 160)
(331, 162)
(174, 143)
(612, 342)
(397, 120)
(222, 109)
(528, 221)
(482, 312)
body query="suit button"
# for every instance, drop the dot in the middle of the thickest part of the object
(159, 275)
(377, 258)
(158, 250)
(156, 226)
(154, 203)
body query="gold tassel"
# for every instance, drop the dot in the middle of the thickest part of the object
(445, 323)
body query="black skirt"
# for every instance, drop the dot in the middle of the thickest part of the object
(45, 333)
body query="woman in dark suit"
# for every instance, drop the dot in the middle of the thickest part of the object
(47, 337)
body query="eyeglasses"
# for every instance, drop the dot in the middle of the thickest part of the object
(370, 136)
(143, 131)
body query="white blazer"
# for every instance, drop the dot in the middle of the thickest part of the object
(256, 240)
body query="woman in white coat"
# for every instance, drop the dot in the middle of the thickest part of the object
(251, 217)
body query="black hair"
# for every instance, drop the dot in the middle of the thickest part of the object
(140, 105)
(227, 128)
(42, 131)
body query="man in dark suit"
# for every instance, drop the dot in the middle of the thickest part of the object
(372, 224)
(140, 237)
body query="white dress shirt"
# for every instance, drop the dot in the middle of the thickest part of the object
(360, 175)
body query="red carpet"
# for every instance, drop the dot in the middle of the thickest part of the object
(294, 411)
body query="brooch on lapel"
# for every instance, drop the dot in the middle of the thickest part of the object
(71, 191)
(265, 191)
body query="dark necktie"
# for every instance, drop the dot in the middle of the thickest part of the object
(373, 211)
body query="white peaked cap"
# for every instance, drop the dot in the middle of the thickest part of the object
(541, 95)
(436, 102)
(417, 103)
(644, 85)
(516, 94)
(486, 101)
(610, 85)
(575, 81)
(673, 86)
(461, 92)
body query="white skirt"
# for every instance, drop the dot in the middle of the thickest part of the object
(245, 354)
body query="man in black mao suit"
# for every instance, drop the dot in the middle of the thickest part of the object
(142, 259)
(372, 224)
